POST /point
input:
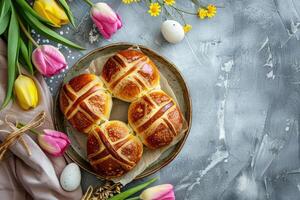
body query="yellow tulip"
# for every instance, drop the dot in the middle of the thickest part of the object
(50, 10)
(26, 92)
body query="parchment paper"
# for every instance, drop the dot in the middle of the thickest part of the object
(119, 112)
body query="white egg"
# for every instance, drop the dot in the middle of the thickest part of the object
(172, 31)
(70, 177)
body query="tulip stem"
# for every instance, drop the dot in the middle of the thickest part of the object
(19, 68)
(28, 35)
(133, 190)
(89, 2)
(20, 125)
(134, 198)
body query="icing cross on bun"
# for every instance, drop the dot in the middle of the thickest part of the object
(112, 149)
(129, 74)
(85, 102)
(155, 118)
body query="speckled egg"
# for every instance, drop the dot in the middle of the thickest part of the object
(70, 177)
(172, 31)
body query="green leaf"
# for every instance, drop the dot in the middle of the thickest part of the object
(5, 6)
(4, 23)
(12, 51)
(30, 50)
(38, 26)
(69, 13)
(22, 61)
(25, 54)
(89, 2)
(131, 191)
(4, 15)
(24, 5)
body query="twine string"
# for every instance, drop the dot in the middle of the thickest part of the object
(88, 193)
(17, 133)
(12, 126)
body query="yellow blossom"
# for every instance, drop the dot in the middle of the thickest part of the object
(154, 9)
(52, 11)
(187, 28)
(26, 92)
(202, 13)
(127, 1)
(169, 2)
(211, 10)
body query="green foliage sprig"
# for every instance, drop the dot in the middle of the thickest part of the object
(17, 17)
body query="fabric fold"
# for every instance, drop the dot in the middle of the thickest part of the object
(23, 176)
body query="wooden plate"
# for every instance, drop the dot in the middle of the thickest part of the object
(175, 80)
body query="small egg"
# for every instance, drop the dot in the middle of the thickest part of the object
(172, 31)
(70, 177)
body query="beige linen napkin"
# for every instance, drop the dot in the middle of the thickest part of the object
(23, 176)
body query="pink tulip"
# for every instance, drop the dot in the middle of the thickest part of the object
(159, 192)
(106, 20)
(48, 60)
(53, 142)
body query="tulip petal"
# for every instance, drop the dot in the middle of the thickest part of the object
(57, 134)
(63, 144)
(49, 145)
(57, 14)
(159, 192)
(52, 16)
(106, 20)
(100, 26)
(54, 142)
(26, 92)
(38, 60)
(48, 60)
(54, 59)
(54, 53)
(106, 28)
(50, 10)
(40, 9)
(119, 22)
(168, 196)
(111, 19)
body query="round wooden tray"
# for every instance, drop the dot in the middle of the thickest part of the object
(175, 80)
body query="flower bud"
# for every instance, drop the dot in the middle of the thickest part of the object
(53, 142)
(26, 92)
(159, 192)
(48, 60)
(50, 10)
(106, 20)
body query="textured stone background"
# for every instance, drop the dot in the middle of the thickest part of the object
(243, 71)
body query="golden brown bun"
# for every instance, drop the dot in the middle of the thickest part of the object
(112, 150)
(129, 74)
(155, 118)
(84, 102)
